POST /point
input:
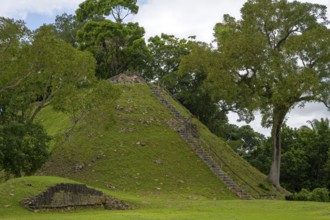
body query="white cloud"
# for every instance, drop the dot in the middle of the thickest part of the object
(295, 118)
(20, 9)
(184, 17)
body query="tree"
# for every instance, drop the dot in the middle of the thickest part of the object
(273, 59)
(66, 28)
(296, 144)
(14, 37)
(91, 10)
(318, 151)
(280, 50)
(327, 171)
(304, 156)
(24, 148)
(243, 139)
(58, 69)
(39, 71)
(166, 52)
(117, 47)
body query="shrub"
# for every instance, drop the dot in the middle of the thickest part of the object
(318, 194)
(303, 195)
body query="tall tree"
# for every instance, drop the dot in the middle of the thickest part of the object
(98, 9)
(14, 38)
(273, 59)
(43, 71)
(117, 47)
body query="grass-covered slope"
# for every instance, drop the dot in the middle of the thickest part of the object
(15, 190)
(139, 152)
(154, 207)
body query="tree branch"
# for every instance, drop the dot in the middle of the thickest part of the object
(45, 98)
(289, 32)
(306, 99)
(14, 84)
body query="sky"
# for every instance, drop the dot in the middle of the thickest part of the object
(181, 18)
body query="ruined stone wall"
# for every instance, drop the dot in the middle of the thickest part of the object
(66, 195)
(127, 78)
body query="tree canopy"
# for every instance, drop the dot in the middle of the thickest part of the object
(98, 9)
(117, 47)
(280, 50)
(305, 156)
(273, 59)
(38, 69)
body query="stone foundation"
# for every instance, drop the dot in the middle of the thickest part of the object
(71, 196)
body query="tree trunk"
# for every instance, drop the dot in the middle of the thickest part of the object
(274, 174)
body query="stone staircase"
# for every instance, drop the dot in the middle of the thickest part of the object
(186, 133)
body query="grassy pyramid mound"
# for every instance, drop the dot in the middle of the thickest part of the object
(142, 152)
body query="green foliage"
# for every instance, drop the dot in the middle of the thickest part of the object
(38, 69)
(267, 61)
(14, 37)
(98, 9)
(305, 156)
(66, 28)
(117, 47)
(23, 148)
(243, 139)
(318, 195)
(166, 52)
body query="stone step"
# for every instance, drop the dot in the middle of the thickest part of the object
(208, 160)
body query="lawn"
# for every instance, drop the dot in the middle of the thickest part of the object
(196, 209)
(158, 205)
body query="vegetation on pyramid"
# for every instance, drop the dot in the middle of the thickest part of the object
(140, 150)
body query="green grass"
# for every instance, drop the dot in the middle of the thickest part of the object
(144, 162)
(238, 210)
(158, 207)
(233, 164)
(138, 153)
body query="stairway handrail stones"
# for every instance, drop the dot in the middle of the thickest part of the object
(187, 135)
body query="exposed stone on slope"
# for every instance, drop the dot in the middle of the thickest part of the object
(70, 196)
(127, 78)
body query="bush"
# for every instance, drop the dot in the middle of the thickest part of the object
(303, 195)
(318, 195)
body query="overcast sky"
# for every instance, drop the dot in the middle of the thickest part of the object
(182, 18)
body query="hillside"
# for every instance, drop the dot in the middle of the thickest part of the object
(142, 151)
